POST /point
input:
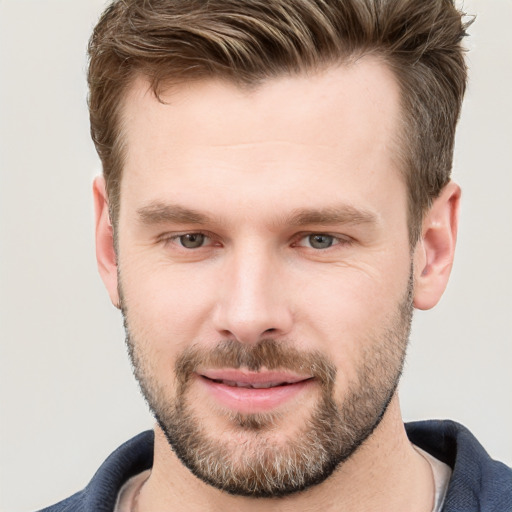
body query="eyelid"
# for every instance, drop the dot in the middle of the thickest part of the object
(174, 236)
(339, 239)
(215, 239)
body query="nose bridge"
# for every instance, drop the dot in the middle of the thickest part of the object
(252, 304)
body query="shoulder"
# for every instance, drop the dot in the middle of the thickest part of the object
(100, 495)
(478, 482)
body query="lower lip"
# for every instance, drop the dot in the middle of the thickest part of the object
(251, 400)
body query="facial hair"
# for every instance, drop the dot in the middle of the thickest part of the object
(249, 459)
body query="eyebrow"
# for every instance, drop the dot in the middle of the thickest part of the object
(344, 214)
(160, 213)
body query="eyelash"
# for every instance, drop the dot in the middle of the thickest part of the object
(338, 240)
(175, 238)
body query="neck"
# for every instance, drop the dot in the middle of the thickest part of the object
(385, 473)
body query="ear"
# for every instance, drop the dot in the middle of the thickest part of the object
(105, 253)
(433, 255)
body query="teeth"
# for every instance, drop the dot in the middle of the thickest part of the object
(266, 385)
(238, 384)
(262, 385)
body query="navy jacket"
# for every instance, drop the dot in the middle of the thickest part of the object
(478, 484)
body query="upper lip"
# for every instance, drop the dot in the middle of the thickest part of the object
(263, 379)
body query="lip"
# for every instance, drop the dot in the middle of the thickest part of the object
(252, 392)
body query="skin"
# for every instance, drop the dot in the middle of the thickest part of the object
(249, 160)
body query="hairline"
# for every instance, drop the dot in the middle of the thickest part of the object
(402, 147)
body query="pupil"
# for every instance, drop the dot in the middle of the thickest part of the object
(192, 240)
(320, 241)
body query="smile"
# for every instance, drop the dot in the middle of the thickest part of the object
(252, 392)
(255, 385)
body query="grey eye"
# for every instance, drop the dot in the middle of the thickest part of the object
(320, 241)
(192, 240)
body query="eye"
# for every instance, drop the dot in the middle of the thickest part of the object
(320, 241)
(192, 240)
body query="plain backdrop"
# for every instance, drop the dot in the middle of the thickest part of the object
(67, 396)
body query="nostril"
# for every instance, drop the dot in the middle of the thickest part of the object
(269, 331)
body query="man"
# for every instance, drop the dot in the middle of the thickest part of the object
(275, 201)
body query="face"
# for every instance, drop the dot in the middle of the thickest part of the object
(265, 270)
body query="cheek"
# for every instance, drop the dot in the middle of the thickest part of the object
(352, 297)
(167, 306)
(351, 311)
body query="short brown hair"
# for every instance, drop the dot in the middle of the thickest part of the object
(248, 41)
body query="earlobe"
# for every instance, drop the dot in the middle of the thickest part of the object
(434, 253)
(105, 252)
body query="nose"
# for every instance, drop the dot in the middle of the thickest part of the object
(253, 302)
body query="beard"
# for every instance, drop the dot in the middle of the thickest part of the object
(249, 457)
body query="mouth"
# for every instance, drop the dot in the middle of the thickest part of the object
(260, 385)
(249, 379)
(252, 392)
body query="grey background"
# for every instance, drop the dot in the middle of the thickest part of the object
(67, 396)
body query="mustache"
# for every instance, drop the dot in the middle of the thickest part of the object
(266, 354)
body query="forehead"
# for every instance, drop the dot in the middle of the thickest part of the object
(352, 92)
(288, 133)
